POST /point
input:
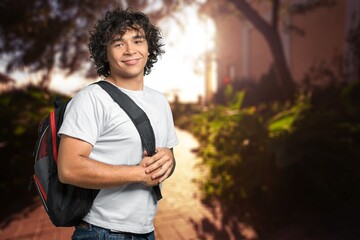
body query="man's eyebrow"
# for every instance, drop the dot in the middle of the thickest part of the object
(119, 39)
(116, 39)
(138, 36)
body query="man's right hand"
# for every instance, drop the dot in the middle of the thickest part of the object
(146, 178)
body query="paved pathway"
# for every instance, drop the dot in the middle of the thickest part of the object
(181, 214)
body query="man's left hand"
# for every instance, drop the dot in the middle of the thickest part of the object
(161, 165)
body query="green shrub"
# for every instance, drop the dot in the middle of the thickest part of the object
(283, 161)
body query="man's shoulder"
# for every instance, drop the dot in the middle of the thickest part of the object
(92, 89)
(91, 94)
(154, 93)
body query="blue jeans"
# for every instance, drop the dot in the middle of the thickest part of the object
(91, 232)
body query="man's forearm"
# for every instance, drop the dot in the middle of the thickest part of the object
(92, 174)
(76, 168)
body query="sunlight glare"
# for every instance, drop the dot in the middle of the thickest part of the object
(181, 70)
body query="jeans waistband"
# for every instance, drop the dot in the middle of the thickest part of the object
(84, 224)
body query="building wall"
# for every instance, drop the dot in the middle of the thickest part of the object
(228, 47)
(243, 53)
(324, 38)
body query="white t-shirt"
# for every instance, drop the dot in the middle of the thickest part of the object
(94, 117)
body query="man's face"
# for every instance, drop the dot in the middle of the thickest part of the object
(128, 54)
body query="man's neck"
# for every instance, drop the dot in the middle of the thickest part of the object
(130, 84)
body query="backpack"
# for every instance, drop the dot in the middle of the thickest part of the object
(66, 204)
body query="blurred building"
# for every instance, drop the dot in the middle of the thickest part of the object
(242, 52)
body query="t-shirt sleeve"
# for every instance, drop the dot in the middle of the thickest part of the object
(83, 117)
(172, 139)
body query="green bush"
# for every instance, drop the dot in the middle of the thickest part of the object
(278, 162)
(182, 113)
(320, 153)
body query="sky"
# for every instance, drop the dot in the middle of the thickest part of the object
(180, 70)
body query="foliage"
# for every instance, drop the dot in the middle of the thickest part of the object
(227, 141)
(232, 143)
(257, 92)
(280, 163)
(182, 113)
(39, 36)
(322, 146)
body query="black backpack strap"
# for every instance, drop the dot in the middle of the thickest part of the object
(138, 117)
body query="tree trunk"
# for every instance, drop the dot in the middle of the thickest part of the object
(282, 70)
(271, 35)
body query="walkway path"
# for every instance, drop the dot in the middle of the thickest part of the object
(181, 215)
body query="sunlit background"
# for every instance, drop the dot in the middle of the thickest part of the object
(265, 99)
(187, 36)
(182, 70)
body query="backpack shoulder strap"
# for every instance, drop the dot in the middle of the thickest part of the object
(137, 116)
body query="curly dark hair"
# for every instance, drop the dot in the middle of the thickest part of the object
(118, 21)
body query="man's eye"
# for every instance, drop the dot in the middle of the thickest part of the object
(119, 45)
(139, 41)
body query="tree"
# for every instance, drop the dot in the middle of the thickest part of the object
(41, 35)
(269, 30)
(38, 35)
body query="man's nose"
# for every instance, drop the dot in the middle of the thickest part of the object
(129, 49)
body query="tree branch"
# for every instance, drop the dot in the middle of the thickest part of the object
(275, 14)
(253, 16)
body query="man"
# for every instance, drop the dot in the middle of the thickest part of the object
(100, 147)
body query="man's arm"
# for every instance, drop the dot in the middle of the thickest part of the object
(161, 165)
(76, 168)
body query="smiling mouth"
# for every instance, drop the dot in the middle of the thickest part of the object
(131, 61)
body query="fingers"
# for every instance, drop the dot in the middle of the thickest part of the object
(161, 154)
(160, 165)
(158, 161)
(165, 176)
(146, 179)
(145, 161)
(155, 165)
(160, 175)
(150, 160)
